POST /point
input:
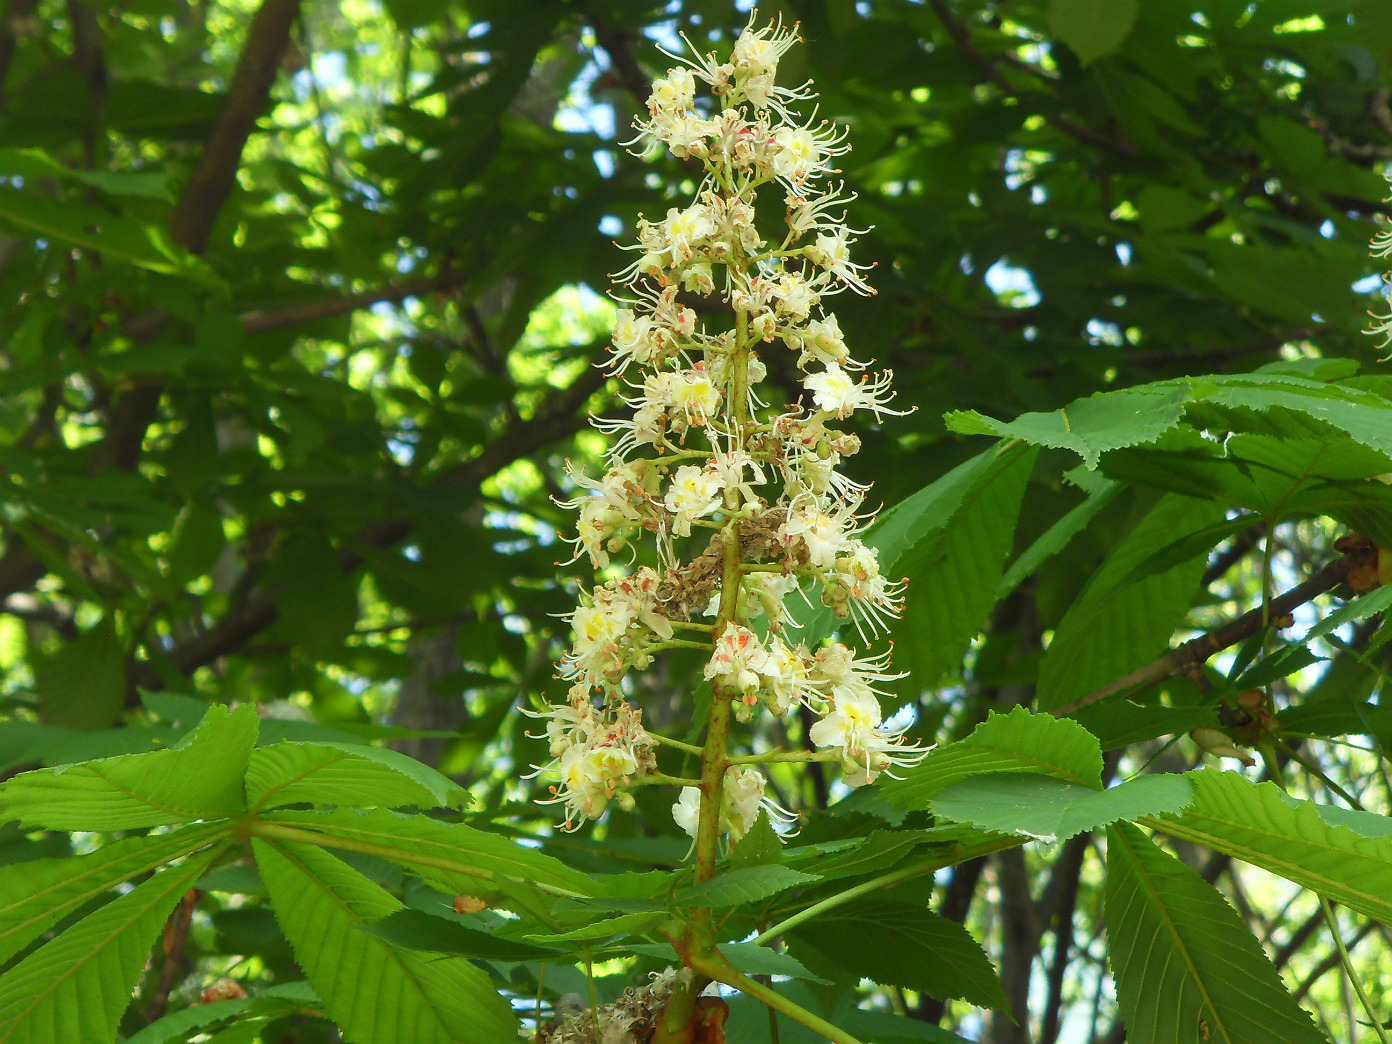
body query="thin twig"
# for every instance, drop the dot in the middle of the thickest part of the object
(1196, 652)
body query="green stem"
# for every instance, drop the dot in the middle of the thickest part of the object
(717, 967)
(777, 756)
(662, 779)
(281, 832)
(959, 854)
(676, 643)
(667, 741)
(1349, 972)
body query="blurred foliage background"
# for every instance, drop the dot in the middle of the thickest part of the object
(299, 302)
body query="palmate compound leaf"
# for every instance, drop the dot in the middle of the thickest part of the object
(1119, 623)
(75, 987)
(345, 774)
(1014, 742)
(1053, 809)
(1339, 853)
(1186, 967)
(901, 944)
(373, 991)
(200, 778)
(36, 895)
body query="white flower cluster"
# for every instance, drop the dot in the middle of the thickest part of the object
(595, 753)
(703, 451)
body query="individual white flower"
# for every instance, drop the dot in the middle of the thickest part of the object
(819, 339)
(690, 393)
(870, 599)
(834, 391)
(737, 661)
(742, 799)
(686, 230)
(823, 532)
(694, 493)
(786, 677)
(686, 813)
(673, 93)
(852, 730)
(832, 251)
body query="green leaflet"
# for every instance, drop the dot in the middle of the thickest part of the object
(35, 163)
(747, 885)
(1054, 809)
(75, 987)
(1092, 28)
(372, 990)
(1116, 626)
(345, 774)
(270, 1003)
(461, 858)
(900, 944)
(1014, 742)
(953, 572)
(1186, 967)
(445, 933)
(200, 778)
(36, 895)
(115, 236)
(1344, 855)
(1056, 537)
(1088, 427)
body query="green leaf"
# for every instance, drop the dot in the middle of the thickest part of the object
(886, 1028)
(1346, 856)
(760, 844)
(372, 990)
(273, 1002)
(954, 573)
(748, 885)
(877, 851)
(1014, 742)
(1186, 967)
(115, 236)
(1056, 537)
(1089, 427)
(200, 778)
(898, 944)
(1092, 28)
(1115, 626)
(1362, 607)
(75, 987)
(458, 857)
(1053, 809)
(35, 163)
(418, 930)
(605, 928)
(345, 774)
(82, 683)
(36, 895)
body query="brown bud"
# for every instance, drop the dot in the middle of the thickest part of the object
(223, 989)
(468, 904)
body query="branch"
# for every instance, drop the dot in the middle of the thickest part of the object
(1196, 652)
(961, 37)
(312, 311)
(212, 180)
